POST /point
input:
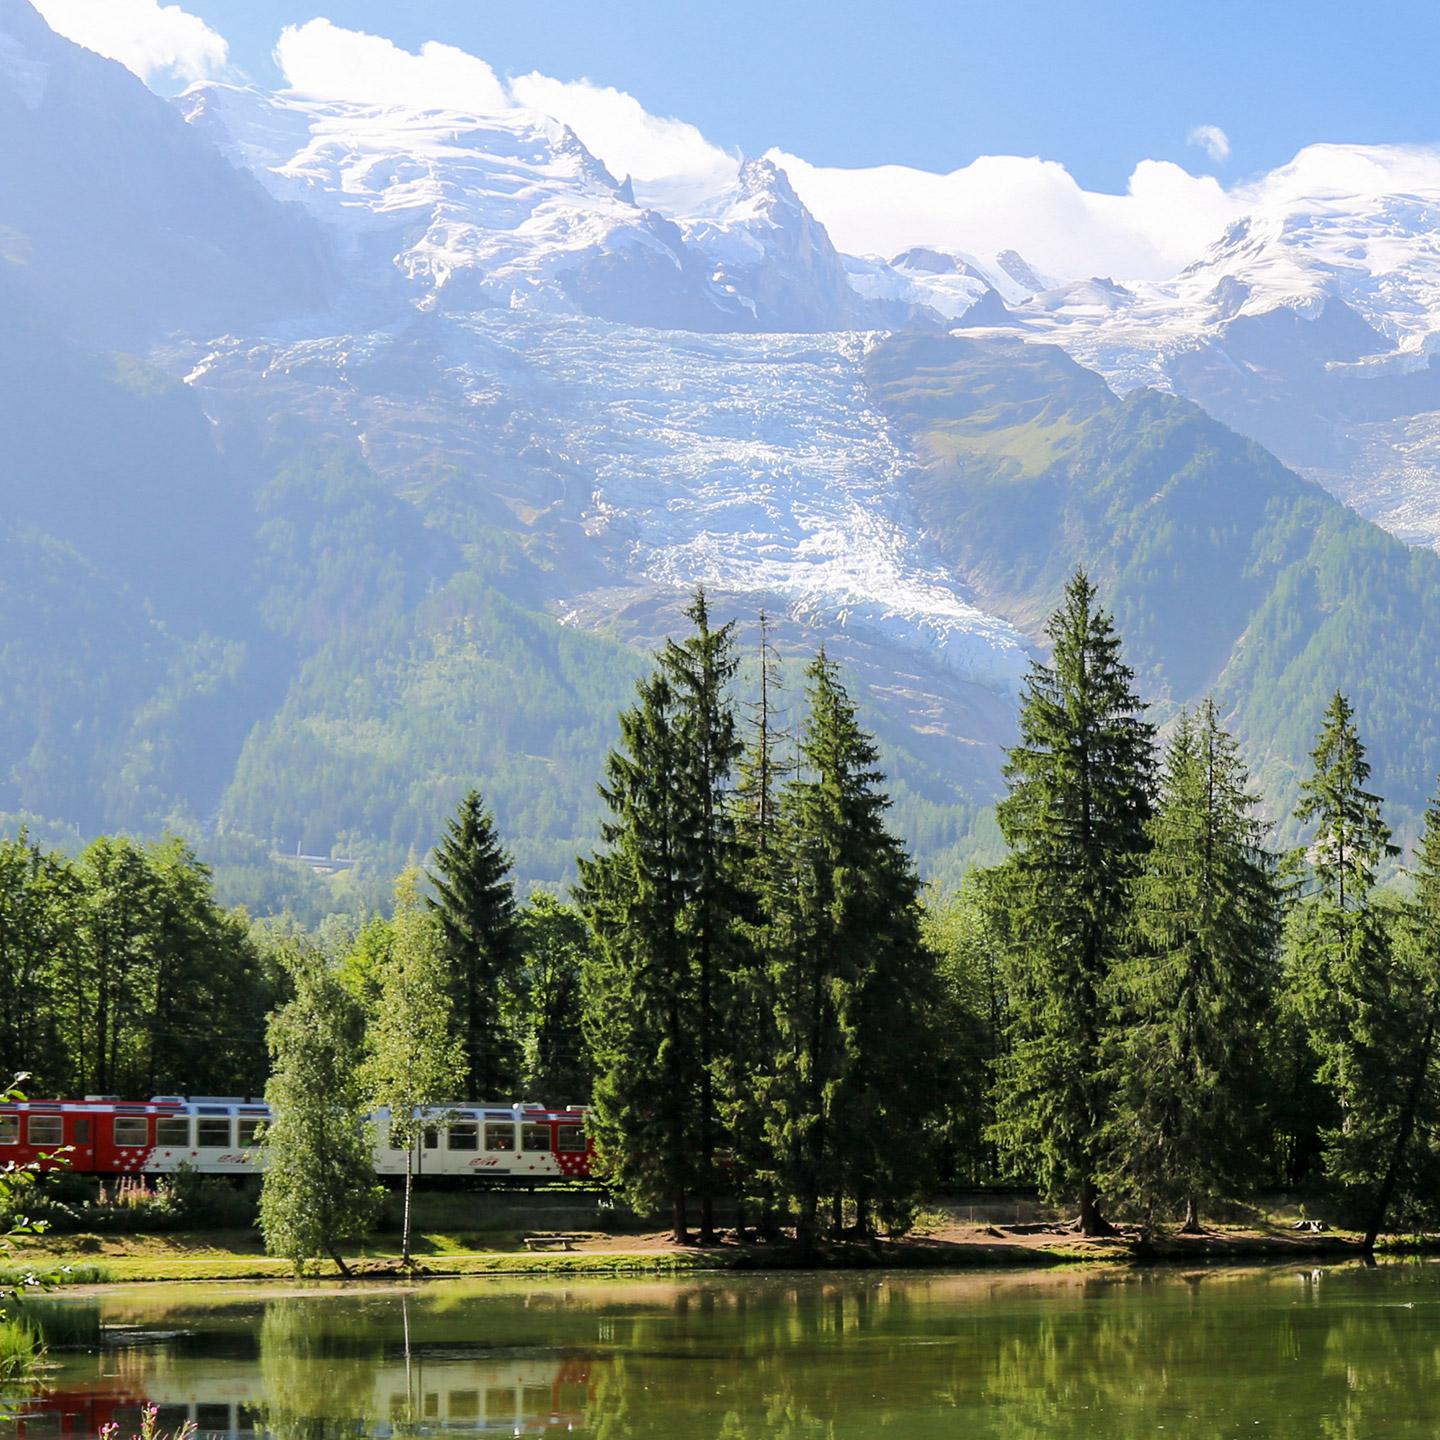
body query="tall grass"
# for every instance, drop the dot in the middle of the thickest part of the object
(13, 1277)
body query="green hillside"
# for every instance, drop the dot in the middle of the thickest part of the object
(1228, 573)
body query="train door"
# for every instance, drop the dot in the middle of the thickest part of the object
(81, 1137)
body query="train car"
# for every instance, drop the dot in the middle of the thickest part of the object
(217, 1135)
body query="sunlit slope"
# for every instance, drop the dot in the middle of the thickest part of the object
(1228, 573)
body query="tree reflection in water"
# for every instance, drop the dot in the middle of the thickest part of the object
(1340, 1354)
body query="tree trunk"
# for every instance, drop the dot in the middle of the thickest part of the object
(405, 1223)
(1092, 1222)
(837, 1214)
(1192, 1217)
(340, 1264)
(680, 1221)
(1402, 1141)
(807, 1220)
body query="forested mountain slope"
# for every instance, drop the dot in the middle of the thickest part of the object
(1228, 573)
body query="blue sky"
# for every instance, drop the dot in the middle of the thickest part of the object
(1095, 86)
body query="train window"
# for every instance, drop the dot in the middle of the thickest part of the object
(535, 1138)
(82, 1130)
(212, 1419)
(499, 1137)
(535, 1402)
(173, 1131)
(212, 1131)
(432, 1404)
(132, 1130)
(464, 1405)
(571, 1140)
(43, 1130)
(432, 1137)
(9, 1129)
(499, 1402)
(246, 1131)
(462, 1136)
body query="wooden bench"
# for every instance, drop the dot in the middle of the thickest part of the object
(550, 1242)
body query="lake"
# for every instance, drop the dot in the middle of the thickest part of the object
(1283, 1352)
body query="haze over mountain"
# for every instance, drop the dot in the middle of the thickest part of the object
(355, 451)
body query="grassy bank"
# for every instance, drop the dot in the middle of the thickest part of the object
(239, 1255)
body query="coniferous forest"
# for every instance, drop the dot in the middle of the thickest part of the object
(1145, 1009)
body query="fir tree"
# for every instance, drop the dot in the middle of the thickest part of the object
(662, 902)
(319, 1187)
(852, 985)
(1344, 971)
(414, 1064)
(700, 669)
(475, 901)
(750, 1029)
(1075, 818)
(640, 982)
(1419, 1107)
(1193, 997)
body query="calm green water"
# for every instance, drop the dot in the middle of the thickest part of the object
(1338, 1351)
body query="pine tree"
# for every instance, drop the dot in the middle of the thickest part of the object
(415, 1063)
(1074, 818)
(1193, 997)
(852, 984)
(319, 1187)
(640, 991)
(475, 902)
(1414, 1055)
(556, 944)
(1346, 963)
(700, 669)
(750, 1046)
(662, 903)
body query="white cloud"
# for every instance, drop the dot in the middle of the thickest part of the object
(1212, 140)
(669, 159)
(330, 62)
(1000, 202)
(626, 136)
(155, 41)
(1164, 219)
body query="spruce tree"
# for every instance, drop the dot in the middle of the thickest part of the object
(415, 1064)
(475, 902)
(319, 1188)
(700, 669)
(750, 1027)
(852, 985)
(1363, 1007)
(1075, 819)
(1415, 1052)
(640, 991)
(662, 901)
(1193, 996)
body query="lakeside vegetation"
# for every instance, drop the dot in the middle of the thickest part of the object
(1143, 1009)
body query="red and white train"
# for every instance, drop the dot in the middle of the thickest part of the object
(216, 1135)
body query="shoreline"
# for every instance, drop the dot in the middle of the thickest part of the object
(185, 1257)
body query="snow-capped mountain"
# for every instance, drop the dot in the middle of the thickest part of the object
(513, 210)
(1309, 324)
